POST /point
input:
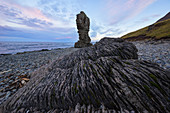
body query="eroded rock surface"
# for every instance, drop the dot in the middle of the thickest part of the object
(107, 77)
(83, 24)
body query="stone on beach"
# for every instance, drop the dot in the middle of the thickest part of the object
(107, 74)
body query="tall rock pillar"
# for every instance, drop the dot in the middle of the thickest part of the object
(83, 24)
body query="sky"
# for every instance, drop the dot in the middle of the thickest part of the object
(54, 20)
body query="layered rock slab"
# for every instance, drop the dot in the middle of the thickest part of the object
(106, 74)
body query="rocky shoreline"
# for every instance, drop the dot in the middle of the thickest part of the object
(15, 70)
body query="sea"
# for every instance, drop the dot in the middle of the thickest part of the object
(15, 47)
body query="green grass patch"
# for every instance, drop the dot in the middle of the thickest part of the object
(157, 30)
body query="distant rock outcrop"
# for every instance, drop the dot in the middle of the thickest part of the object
(104, 77)
(83, 24)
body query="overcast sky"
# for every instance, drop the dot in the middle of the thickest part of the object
(54, 20)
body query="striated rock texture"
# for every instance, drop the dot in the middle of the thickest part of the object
(83, 24)
(105, 77)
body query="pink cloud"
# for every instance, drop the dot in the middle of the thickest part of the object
(145, 19)
(139, 6)
(29, 12)
(122, 10)
(64, 38)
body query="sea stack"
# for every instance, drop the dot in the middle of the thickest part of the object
(83, 24)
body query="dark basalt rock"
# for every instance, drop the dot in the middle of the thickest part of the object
(104, 77)
(83, 24)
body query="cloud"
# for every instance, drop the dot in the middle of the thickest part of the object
(121, 10)
(63, 30)
(6, 28)
(62, 11)
(93, 34)
(115, 14)
(139, 6)
(30, 12)
(32, 22)
(44, 27)
(9, 12)
(148, 18)
(12, 38)
(35, 35)
(32, 18)
(59, 8)
(13, 15)
(155, 15)
(64, 38)
(56, 18)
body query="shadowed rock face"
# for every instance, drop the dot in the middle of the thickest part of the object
(83, 24)
(106, 74)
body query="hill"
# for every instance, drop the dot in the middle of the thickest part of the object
(166, 17)
(156, 31)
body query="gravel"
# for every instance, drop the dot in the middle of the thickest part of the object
(158, 52)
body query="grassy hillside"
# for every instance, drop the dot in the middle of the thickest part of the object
(157, 30)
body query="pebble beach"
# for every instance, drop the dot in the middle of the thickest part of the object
(157, 52)
(15, 70)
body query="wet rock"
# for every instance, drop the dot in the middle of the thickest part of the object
(108, 74)
(167, 66)
(8, 94)
(160, 62)
(23, 82)
(2, 95)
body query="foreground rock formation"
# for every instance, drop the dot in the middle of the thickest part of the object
(83, 24)
(104, 77)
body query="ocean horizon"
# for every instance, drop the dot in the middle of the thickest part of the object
(10, 47)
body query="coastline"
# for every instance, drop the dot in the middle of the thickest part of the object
(112, 58)
(7, 48)
(41, 50)
(16, 69)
